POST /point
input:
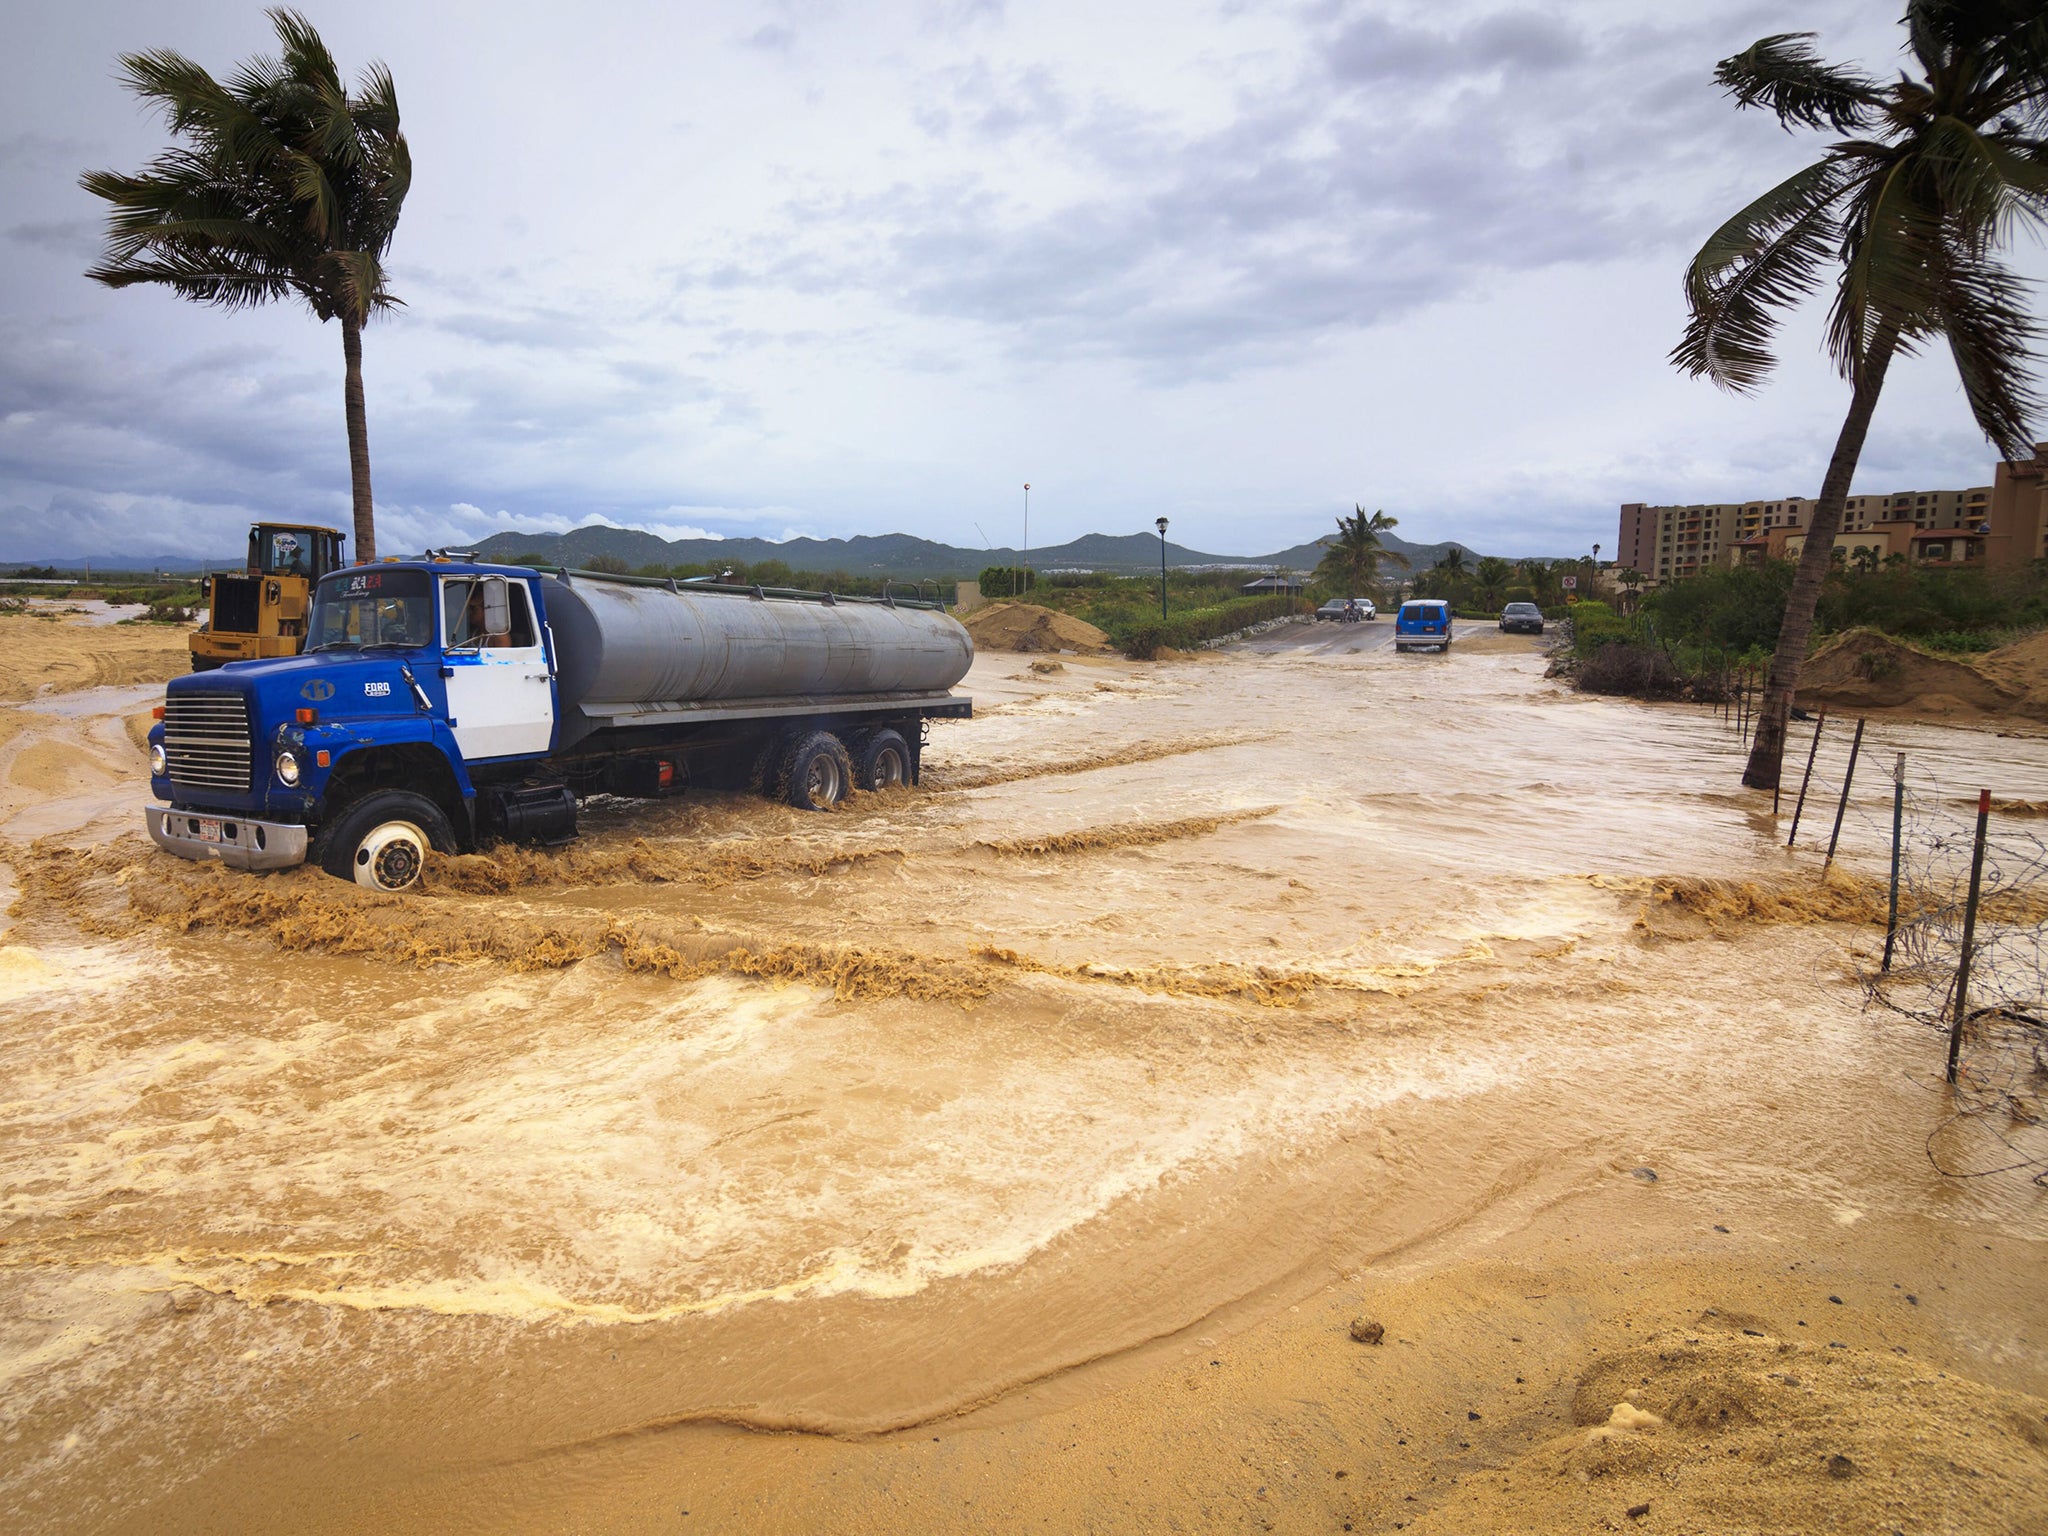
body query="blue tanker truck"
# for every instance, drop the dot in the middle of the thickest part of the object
(446, 704)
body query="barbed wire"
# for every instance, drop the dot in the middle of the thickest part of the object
(1997, 1120)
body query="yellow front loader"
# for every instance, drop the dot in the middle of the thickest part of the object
(260, 610)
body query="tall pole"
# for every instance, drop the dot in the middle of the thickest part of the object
(1162, 570)
(1811, 753)
(1027, 537)
(1835, 836)
(1955, 1034)
(1891, 920)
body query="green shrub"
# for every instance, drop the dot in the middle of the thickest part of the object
(1185, 631)
(1000, 581)
(1594, 624)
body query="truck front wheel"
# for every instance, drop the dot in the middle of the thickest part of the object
(381, 841)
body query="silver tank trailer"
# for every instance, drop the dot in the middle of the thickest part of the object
(619, 643)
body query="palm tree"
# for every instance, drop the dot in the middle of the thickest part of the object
(1940, 169)
(1452, 561)
(1492, 574)
(1631, 581)
(1352, 559)
(286, 185)
(1541, 577)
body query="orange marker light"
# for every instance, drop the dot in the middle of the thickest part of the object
(157, 713)
(308, 717)
(320, 758)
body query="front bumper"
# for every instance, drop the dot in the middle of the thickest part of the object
(244, 844)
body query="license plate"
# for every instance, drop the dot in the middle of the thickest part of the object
(209, 830)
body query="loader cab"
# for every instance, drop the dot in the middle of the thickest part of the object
(293, 549)
(260, 610)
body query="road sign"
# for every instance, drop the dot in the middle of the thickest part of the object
(1571, 583)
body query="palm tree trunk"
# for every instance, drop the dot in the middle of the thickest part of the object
(1767, 752)
(358, 439)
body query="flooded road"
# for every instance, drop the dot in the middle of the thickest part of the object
(1175, 992)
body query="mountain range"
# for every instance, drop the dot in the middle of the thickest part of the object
(902, 554)
(889, 554)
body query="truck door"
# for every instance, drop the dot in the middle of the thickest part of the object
(500, 702)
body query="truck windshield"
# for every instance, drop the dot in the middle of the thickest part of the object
(357, 609)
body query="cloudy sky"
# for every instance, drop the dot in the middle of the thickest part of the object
(832, 268)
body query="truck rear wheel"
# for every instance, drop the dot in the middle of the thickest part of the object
(381, 841)
(816, 774)
(884, 761)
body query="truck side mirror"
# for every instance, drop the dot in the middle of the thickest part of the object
(497, 607)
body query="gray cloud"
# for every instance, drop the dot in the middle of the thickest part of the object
(853, 269)
(1374, 47)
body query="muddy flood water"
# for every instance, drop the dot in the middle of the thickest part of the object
(1180, 1001)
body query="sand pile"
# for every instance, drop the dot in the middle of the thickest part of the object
(1866, 670)
(36, 651)
(1725, 1427)
(1028, 627)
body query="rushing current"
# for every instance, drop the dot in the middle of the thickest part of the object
(1172, 992)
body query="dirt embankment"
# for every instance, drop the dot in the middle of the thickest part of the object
(1866, 670)
(1028, 627)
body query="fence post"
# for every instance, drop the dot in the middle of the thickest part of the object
(1848, 778)
(1891, 921)
(1955, 1034)
(1811, 753)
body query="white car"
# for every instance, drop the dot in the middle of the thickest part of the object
(1348, 609)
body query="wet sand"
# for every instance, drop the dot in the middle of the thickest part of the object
(1018, 1150)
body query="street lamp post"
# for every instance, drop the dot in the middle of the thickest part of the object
(1162, 570)
(1027, 537)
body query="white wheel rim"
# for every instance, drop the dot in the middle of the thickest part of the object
(391, 857)
(889, 769)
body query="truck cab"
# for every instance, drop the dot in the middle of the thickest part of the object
(260, 610)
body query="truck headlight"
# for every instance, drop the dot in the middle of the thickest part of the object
(159, 764)
(287, 768)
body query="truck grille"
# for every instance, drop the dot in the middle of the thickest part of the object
(206, 739)
(234, 605)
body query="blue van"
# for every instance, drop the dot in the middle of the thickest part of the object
(1423, 623)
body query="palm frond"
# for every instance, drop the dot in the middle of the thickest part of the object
(1784, 74)
(1992, 334)
(193, 277)
(1892, 237)
(2010, 36)
(377, 102)
(305, 57)
(1763, 260)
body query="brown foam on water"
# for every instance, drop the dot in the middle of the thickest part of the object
(1132, 835)
(104, 890)
(508, 867)
(2007, 807)
(1838, 897)
(946, 779)
(308, 910)
(1835, 897)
